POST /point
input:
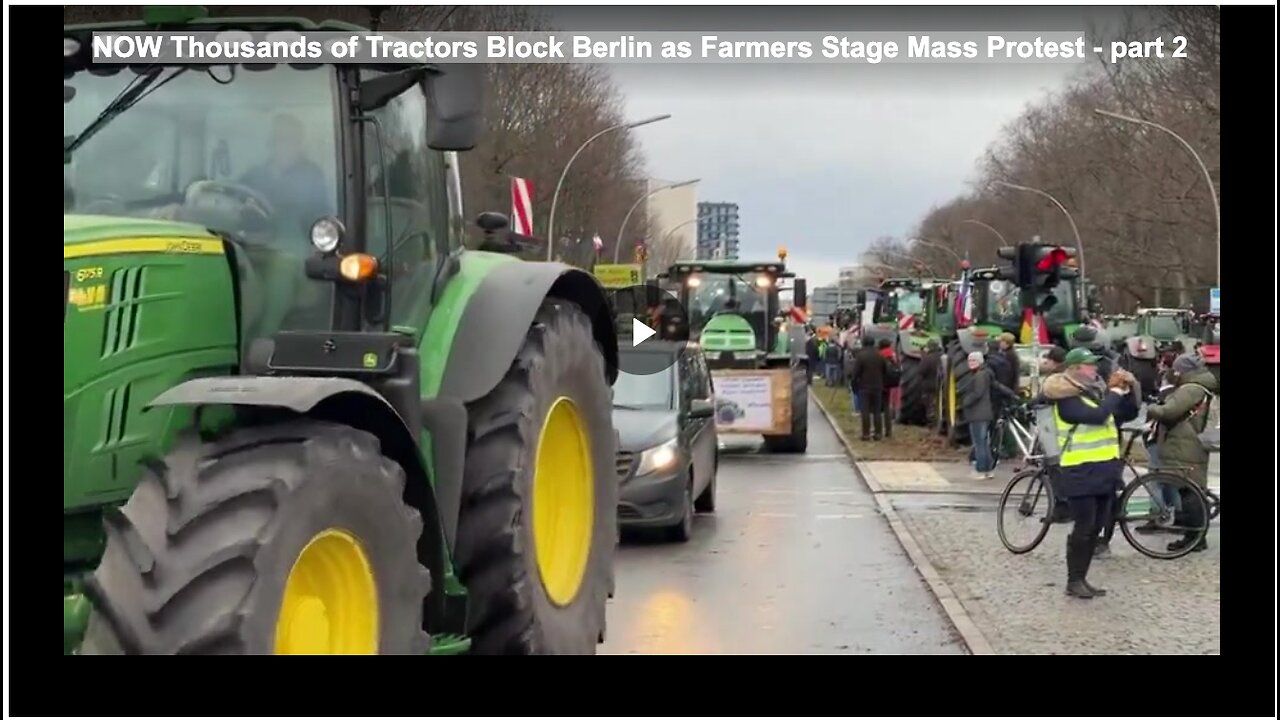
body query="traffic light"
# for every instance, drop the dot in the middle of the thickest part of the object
(1014, 271)
(1041, 266)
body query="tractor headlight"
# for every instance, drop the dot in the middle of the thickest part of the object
(326, 233)
(659, 457)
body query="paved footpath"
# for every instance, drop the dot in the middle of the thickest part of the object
(1017, 601)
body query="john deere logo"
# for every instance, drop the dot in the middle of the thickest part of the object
(371, 360)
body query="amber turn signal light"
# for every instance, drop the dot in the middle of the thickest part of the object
(358, 267)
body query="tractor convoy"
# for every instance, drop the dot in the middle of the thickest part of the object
(299, 416)
(911, 312)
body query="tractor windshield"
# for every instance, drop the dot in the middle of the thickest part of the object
(897, 303)
(746, 294)
(1163, 327)
(1003, 305)
(249, 153)
(268, 134)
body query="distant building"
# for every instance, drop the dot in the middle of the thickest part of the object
(717, 231)
(671, 219)
(823, 302)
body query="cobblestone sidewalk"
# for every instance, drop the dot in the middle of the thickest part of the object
(1017, 601)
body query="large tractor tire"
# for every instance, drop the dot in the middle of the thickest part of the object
(913, 410)
(538, 523)
(798, 439)
(291, 538)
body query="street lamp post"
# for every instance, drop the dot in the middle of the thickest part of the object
(1208, 179)
(940, 246)
(1070, 221)
(979, 223)
(617, 248)
(555, 196)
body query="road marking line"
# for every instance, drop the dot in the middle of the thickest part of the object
(779, 492)
(839, 517)
(776, 515)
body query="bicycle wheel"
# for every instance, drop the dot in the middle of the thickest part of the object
(1163, 515)
(1028, 502)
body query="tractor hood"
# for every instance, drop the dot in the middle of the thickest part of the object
(728, 332)
(132, 234)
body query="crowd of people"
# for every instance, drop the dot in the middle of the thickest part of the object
(1091, 395)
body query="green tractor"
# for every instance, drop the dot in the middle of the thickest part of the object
(299, 416)
(1159, 330)
(754, 347)
(996, 308)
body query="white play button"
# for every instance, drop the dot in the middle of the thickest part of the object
(640, 332)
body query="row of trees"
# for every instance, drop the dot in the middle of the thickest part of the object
(1139, 200)
(537, 115)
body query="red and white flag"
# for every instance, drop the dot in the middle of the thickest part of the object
(596, 242)
(521, 206)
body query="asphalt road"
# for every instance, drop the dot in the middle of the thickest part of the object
(796, 560)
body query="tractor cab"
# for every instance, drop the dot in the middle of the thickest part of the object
(733, 307)
(273, 160)
(1165, 329)
(998, 305)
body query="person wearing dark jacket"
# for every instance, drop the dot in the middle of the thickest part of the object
(1180, 419)
(928, 370)
(976, 389)
(867, 379)
(1087, 414)
(891, 398)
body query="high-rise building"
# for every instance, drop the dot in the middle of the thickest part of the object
(717, 231)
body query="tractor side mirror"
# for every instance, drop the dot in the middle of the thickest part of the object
(799, 294)
(455, 97)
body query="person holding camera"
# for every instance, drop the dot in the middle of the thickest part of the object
(1087, 412)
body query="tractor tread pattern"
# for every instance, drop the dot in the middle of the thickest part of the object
(508, 613)
(185, 554)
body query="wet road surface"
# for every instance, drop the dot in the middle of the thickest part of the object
(796, 560)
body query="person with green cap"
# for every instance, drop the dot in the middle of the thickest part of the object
(1087, 413)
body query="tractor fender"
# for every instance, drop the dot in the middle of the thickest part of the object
(496, 320)
(354, 403)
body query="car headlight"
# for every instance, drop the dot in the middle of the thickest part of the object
(659, 457)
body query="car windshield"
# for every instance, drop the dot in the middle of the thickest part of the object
(638, 392)
(711, 293)
(1163, 327)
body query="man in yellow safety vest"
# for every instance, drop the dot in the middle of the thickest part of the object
(1086, 413)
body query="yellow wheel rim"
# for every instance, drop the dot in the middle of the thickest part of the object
(330, 604)
(563, 502)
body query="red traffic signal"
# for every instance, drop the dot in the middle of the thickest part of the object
(1055, 257)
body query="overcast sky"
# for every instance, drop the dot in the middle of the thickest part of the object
(826, 158)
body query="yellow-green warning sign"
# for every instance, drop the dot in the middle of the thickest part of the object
(619, 276)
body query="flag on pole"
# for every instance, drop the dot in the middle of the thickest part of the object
(964, 301)
(596, 242)
(521, 206)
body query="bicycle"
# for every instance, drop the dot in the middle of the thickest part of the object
(1143, 500)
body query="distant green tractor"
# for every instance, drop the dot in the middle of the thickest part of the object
(299, 417)
(735, 315)
(1159, 330)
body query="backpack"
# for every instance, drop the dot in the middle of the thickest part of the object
(892, 373)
